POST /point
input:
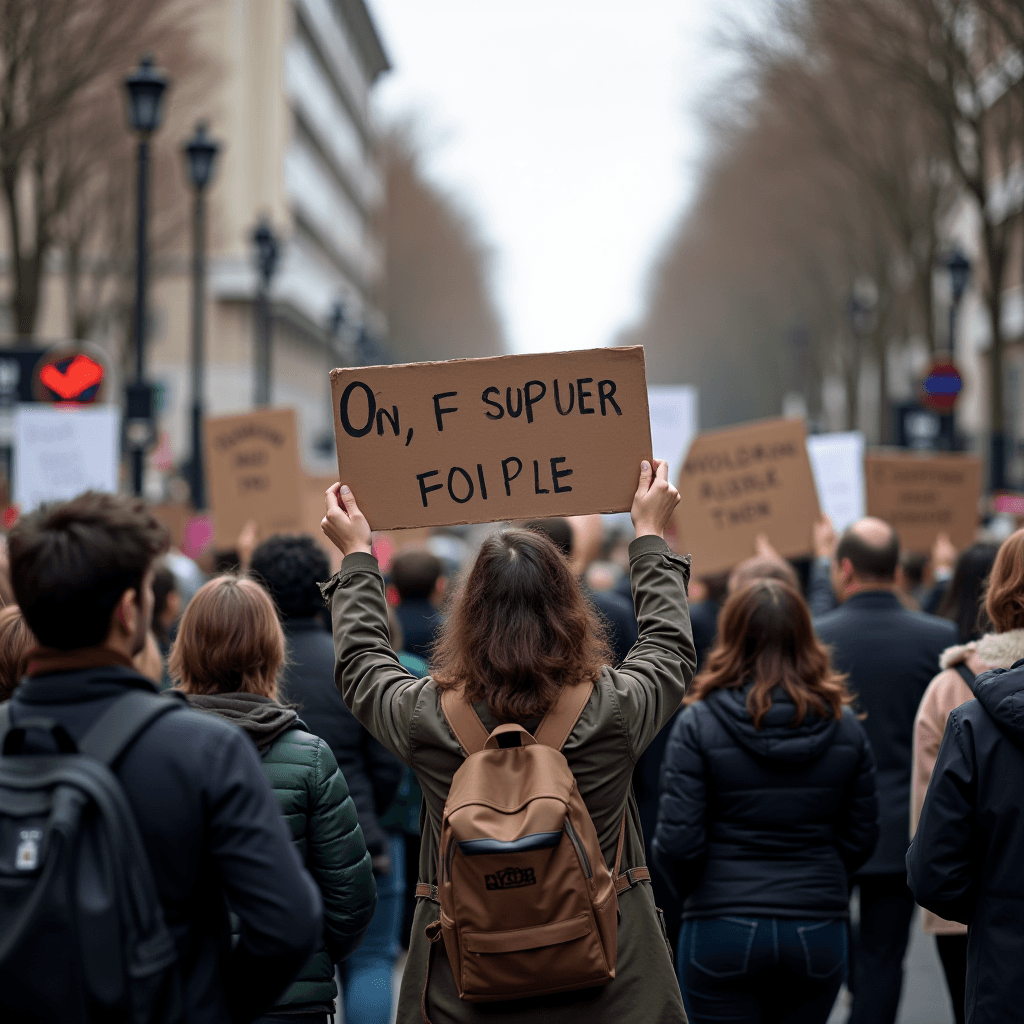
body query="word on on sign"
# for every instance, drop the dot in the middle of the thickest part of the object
(479, 440)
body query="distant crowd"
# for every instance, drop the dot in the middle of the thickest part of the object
(557, 775)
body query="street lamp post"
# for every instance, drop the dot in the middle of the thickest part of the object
(145, 87)
(200, 155)
(959, 267)
(268, 251)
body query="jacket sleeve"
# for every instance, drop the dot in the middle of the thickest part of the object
(929, 726)
(680, 838)
(820, 597)
(857, 831)
(277, 903)
(351, 756)
(338, 860)
(377, 689)
(944, 860)
(651, 683)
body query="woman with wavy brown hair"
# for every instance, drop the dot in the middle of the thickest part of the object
(519, 636)
(767, 805)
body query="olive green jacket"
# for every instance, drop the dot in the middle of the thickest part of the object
(315, 802)
(628, 707)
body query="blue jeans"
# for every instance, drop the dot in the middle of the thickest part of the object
(366, 974)
(756, 970)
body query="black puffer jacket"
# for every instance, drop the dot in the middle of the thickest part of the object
(965, 861)
(770, 821)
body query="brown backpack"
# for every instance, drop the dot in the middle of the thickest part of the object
(528, 904)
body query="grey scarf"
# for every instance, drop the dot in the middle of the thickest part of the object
(262, 718)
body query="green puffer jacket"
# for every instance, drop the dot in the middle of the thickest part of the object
(314, 799)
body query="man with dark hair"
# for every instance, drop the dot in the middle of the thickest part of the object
(82, 572)
(418, 578)
(291, 567)
(890, 655)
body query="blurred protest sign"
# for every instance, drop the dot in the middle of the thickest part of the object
(740, 482)
(673, 411)
(923, 495)
(252, 464)
(479, 440)
(176, 518)
(838, 464)
(61, 451)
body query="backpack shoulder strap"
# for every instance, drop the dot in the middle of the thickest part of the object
(965, 673)
(561, 719)
(463, 721)
(122, 722)
(5, 720)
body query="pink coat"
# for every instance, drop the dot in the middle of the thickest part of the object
(946, 692)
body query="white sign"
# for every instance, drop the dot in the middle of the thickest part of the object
(60, 451)
(673, 410)
(838, 464)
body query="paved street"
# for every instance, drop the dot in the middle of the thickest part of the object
(925, 998)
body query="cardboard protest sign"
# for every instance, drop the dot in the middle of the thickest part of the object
(61, 451)
(838, 464)
(740, 482)
(252, 464)
(479, 440)
(673, 410)
(921, 496)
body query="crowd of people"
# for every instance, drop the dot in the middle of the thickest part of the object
(777, 765)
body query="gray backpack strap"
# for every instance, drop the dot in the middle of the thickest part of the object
(5, 721)
(115, 729)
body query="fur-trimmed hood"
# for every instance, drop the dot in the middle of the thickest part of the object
(996, 650)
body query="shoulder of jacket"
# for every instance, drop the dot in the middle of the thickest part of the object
(296, 746)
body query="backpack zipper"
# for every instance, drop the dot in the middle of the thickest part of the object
(580, 851)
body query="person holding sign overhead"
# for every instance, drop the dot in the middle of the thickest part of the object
(522, 640)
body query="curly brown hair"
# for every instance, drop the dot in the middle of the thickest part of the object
(519, 629)
(765, 636)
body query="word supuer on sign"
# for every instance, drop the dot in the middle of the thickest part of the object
(483, 439)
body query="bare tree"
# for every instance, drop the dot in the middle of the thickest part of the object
(438, 297)
(59, 63)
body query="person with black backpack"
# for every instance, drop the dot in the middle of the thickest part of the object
(129, 823)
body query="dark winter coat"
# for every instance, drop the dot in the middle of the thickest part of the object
(213, 833)
(625, 712)
(965, 861)
(420, 622)
(322, 819)
(890, 655)
(766, 821)
(373, 774)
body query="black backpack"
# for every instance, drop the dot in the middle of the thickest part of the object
(82, 932)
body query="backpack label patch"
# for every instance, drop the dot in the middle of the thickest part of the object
(26, 857)
(511, 878)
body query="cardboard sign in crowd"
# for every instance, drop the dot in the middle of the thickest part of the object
(482, 440)
(740, 482)
(922, 496)
(252, 464)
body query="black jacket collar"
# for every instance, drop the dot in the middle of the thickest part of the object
(83, 685)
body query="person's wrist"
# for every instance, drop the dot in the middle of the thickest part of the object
(354, 549)
(643, 530)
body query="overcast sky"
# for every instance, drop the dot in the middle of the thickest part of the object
(569, 130)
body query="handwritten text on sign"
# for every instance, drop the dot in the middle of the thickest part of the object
(479, 440)
(740, 482)
(922, 496)
(254, 472)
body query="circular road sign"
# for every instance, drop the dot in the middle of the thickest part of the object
(941, 386)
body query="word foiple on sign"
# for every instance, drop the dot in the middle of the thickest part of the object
(252, 463)
(921, 496)
(480, 440)
(740, 482)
